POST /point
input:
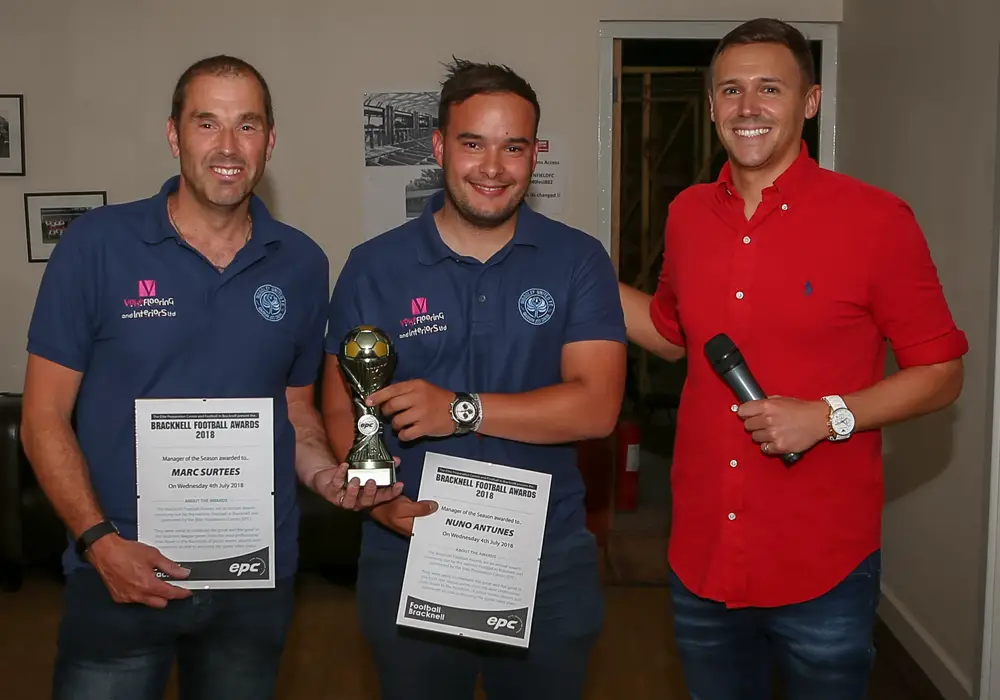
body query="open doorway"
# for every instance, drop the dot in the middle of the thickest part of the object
(662, 141)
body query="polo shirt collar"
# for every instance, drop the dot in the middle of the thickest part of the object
(432, 250)
(264, 229)
(794, 180)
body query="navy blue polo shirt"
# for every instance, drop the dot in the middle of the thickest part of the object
(464, 325)
(142, 315)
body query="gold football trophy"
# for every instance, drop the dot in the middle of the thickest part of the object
(367, 361)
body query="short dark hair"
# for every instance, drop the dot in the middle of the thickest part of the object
(218, 66)
(771, 31)
(467, 79)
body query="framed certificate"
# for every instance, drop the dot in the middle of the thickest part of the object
(472, 567)
(205, 488)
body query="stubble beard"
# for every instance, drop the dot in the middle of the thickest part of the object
(477, 217)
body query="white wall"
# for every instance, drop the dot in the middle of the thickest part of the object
(918, 111)
(97, 78)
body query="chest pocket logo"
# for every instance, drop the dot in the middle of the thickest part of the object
(536, 306)
(270, 302)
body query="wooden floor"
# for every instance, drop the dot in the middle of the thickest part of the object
(327, 658)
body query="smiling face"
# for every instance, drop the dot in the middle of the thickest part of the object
(759, 103)
(488, 155)
(222, 138)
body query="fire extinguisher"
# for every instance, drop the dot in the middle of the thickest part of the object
(627, 437)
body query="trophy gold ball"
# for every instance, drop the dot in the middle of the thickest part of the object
(367, 360)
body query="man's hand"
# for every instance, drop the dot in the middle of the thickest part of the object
(781, 425)
(417, 409)
(398, 514)
(331, 484)
(127, 569)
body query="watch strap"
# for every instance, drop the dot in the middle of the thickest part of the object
(92, 534)
(835, 403)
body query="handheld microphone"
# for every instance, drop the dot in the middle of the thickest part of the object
(728, 363)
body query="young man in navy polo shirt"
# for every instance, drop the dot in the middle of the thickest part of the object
(195, 292)
(808, 272)
(519, 315)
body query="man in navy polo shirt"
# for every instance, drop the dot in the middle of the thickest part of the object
(195, 292)
(461, 290)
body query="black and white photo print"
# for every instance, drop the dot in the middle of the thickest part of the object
(12, 135)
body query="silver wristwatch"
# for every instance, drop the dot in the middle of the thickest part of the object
(467, 412)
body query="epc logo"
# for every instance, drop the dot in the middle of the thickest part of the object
(508, 625)
(255, 567)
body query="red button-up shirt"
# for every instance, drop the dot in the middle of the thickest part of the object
(826, 270)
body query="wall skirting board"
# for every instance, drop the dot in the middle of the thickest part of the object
(926, 654)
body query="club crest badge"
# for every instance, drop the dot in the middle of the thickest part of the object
(536, 306)
(270, 302)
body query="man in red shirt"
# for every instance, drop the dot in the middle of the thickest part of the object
(809, 273)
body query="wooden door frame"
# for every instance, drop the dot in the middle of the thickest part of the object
(988, 681)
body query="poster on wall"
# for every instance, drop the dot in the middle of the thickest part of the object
(400, 172)
(547, 193)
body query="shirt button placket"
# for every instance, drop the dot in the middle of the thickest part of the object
(741, 276)
(481, 327)
(733, 539)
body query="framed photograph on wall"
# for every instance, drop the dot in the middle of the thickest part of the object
(47, 214)
(11, 135)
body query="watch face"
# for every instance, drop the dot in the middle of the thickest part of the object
(842, 421)
(464, 411)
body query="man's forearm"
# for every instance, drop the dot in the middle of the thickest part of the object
(909, 393)
(61, 471)
(639, 324)
(312, 449)
(567, 412)
(340, 432)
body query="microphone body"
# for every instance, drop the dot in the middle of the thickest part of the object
(728, 363)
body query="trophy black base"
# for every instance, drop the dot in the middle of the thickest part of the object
(382, 473)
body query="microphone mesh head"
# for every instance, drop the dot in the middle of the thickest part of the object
(718, 347)
(722, 353)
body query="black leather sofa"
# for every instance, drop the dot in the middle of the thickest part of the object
(33, 538)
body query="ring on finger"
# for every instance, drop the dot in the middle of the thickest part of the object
(765, 447)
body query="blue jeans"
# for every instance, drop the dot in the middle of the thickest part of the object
(822, 648)
(413, 665)
(227, 644)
